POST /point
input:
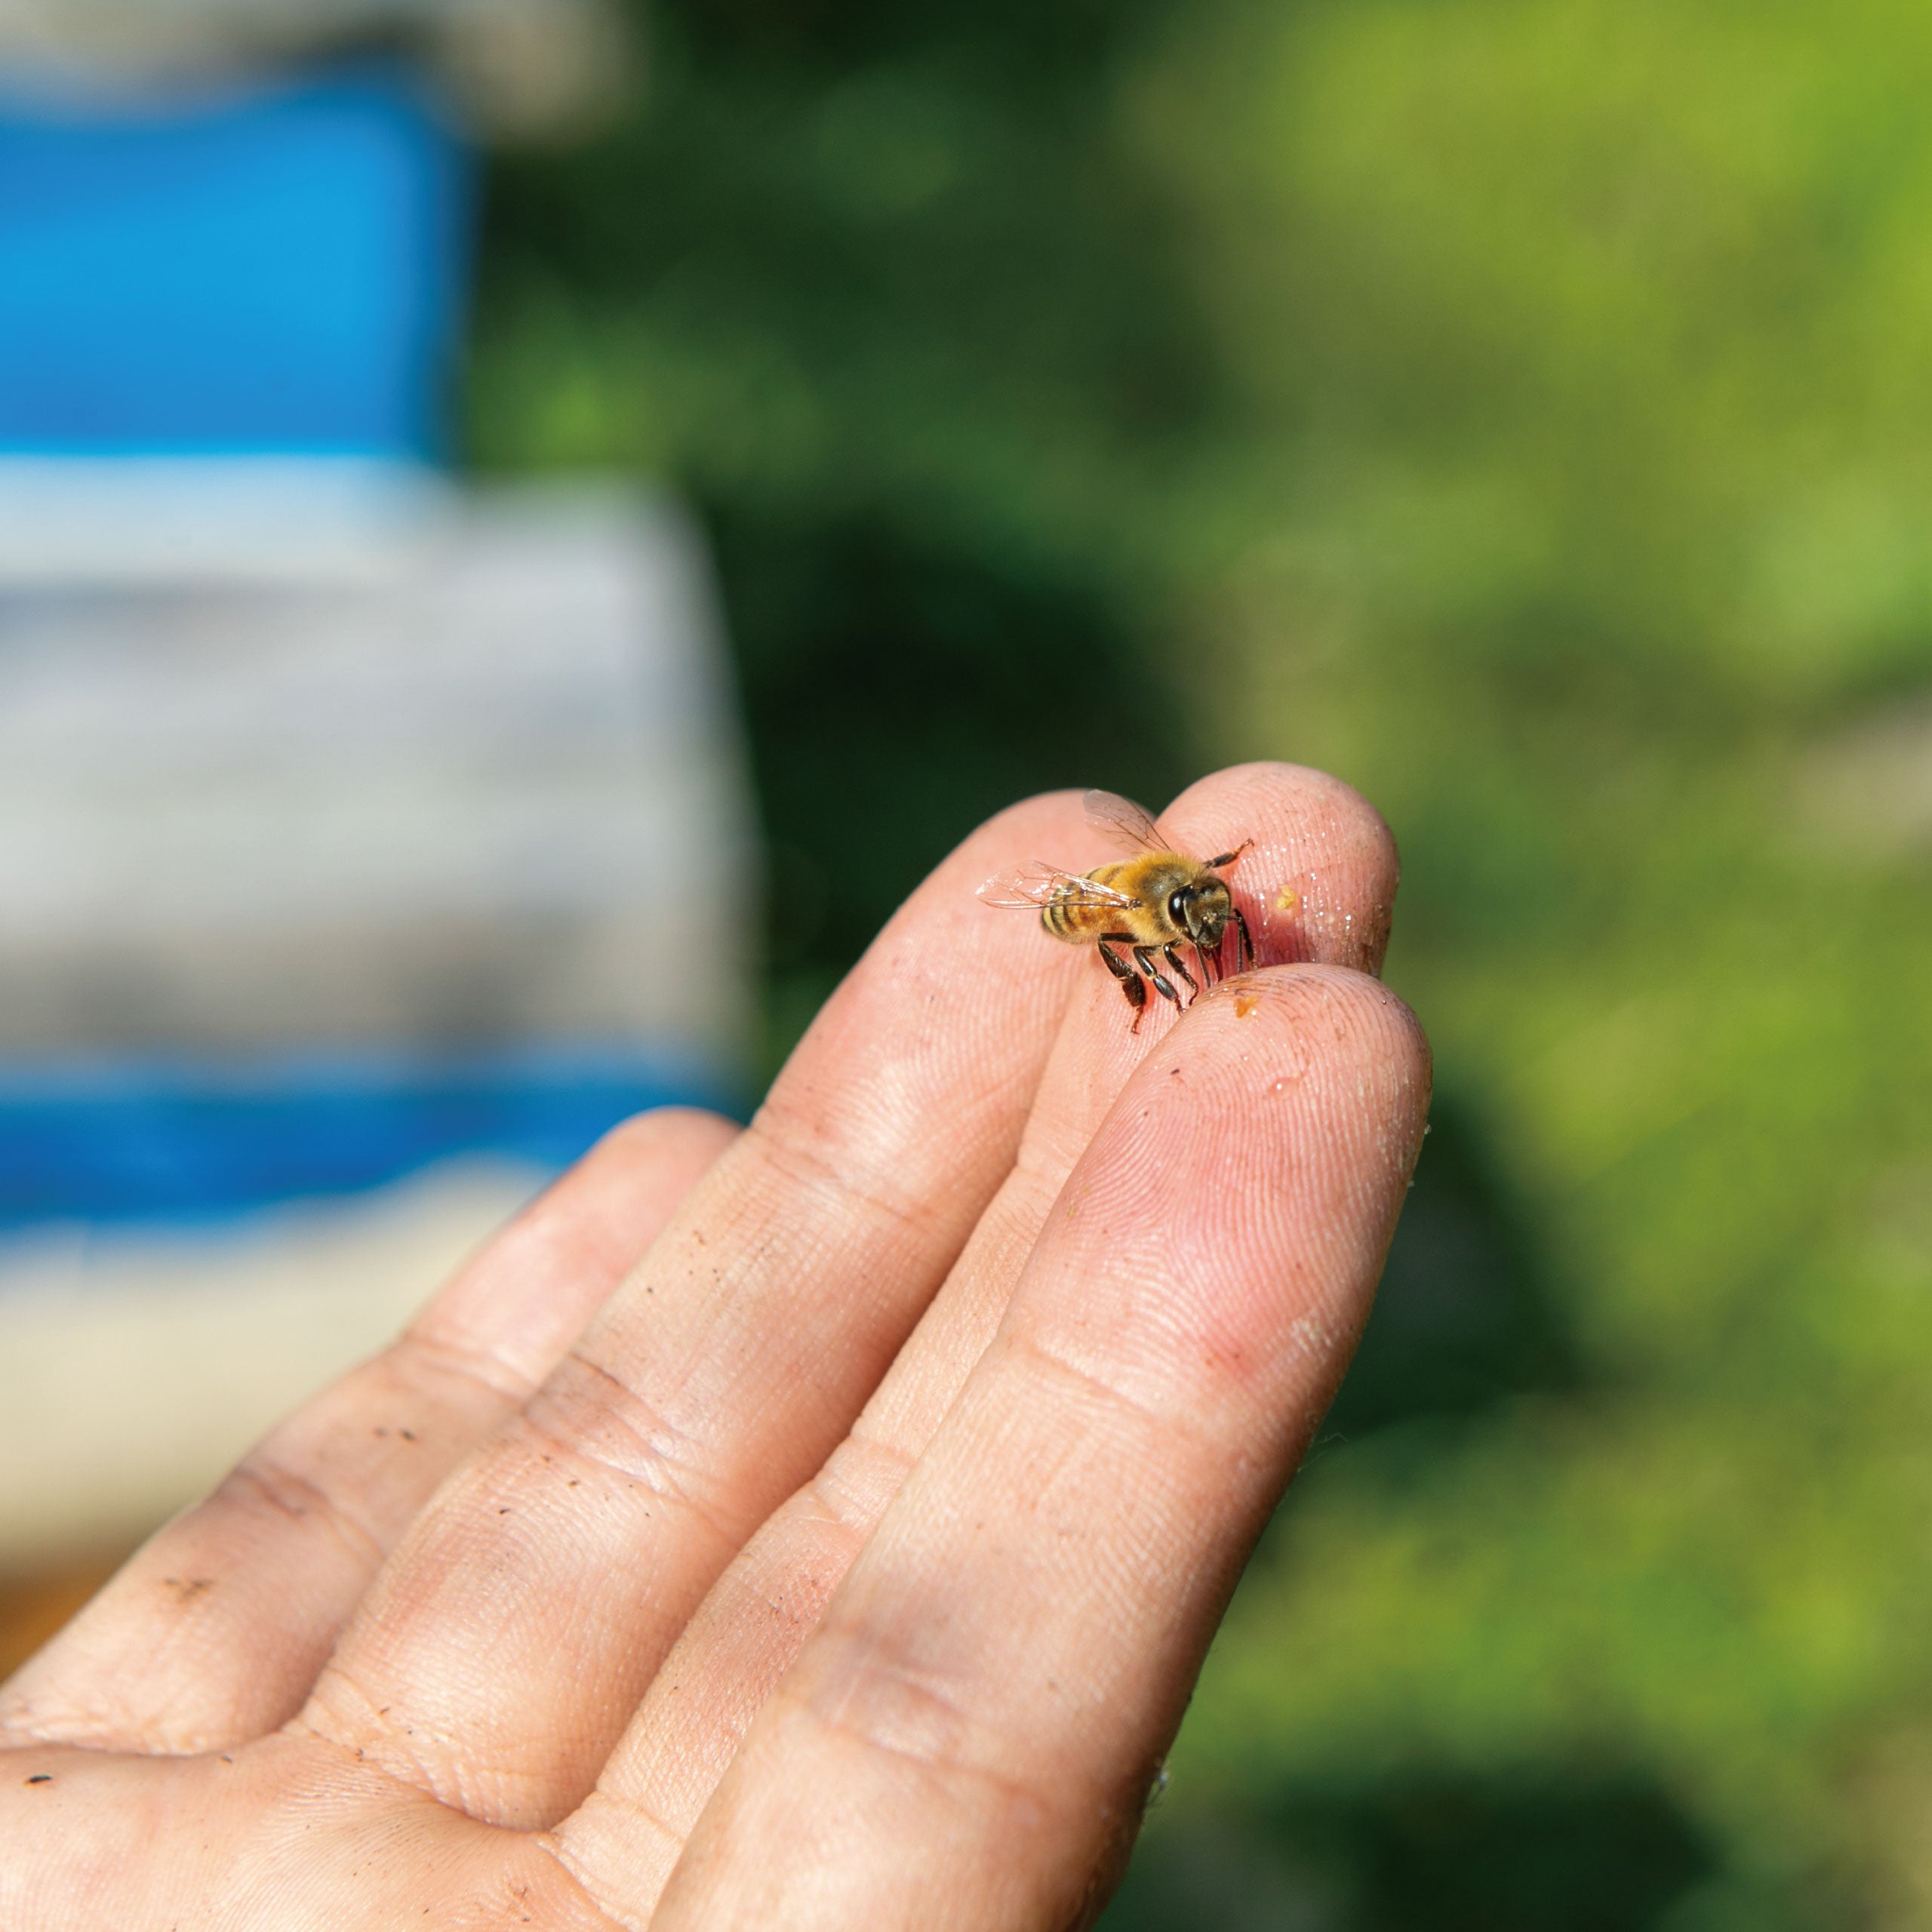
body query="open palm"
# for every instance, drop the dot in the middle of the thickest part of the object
(816, 1527)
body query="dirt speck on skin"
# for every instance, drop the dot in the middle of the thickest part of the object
(1246, 1005)
(41, 1777)
(186, 1588)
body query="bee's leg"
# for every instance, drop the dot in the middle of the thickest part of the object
(1172, 955)
(1143, 958)
(1228, 858)
(1245, 944)
(1130, 982)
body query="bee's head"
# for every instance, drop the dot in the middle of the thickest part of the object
(1202, 910)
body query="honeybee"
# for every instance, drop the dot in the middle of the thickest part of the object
(1152, 903)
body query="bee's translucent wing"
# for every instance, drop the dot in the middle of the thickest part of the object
(1124, 821)
(1027, 888)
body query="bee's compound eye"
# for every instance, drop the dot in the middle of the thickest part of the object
(1177, 910)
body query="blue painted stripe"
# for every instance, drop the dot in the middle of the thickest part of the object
(170, 1140)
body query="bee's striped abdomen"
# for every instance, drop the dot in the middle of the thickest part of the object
(1060, 915)
(1079, 921)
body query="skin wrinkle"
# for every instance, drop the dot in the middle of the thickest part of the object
(650, 1472)
(76, 1727)
(830, 1537)
(469, 1363)
(657, 1159)
(388, 1750)
(1145, 1336)
(636, 1814)
(888, 1118)
(717, 1348)
(792, 1160)
(262, 1484)
(728, 1354)
(883, 1687)
(1035, 1355)
(1020, 1809)
(797, 1607)
(1120, 1567)
(856, 1505)
(416, 1809)
(409, 1757)
(743, 1598)
(1154, 1426)
(256, 1484)
(467, 1775)
(764, 1196)
(619, 1412)
(278, 1487)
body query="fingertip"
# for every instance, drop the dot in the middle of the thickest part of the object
(682, 1136)
(1372, 1030)
(633, 1179)
(1319, 881)
(1235, 1210)
(1342, 1060)
(534, 1283)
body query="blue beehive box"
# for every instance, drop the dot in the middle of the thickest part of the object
(278, 272)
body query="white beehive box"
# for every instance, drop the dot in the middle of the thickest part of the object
(333, 782)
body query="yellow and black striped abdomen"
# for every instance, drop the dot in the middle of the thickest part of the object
(1150, 880)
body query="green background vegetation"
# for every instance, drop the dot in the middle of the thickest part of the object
(1522, 411)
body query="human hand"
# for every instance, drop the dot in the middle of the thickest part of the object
(816, 1527)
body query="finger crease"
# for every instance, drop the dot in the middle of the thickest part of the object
(1037, 1358)
(941, 1763)
(390, 1742)
(289, 1493)
(558, 1846)
(854, 1499)
(667, 1474)
(476, 1363)
(796, 1162)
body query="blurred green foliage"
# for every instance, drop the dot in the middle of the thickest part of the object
(1521, 410)
(884, 293)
